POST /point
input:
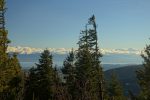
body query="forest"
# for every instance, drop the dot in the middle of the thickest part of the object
(83, 76)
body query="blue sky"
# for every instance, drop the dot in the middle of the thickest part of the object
(57, 23)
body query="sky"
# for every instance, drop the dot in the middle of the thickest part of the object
(57, 23)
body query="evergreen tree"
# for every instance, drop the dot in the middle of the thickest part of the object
(59, 90)
(69, 74)
(44, 74)
(115, 90)
(43, 82)
(11, 83)
(83, 76)
(143, 75)
(16, 82)
(98, 79)
(89, 72)
(31, 85)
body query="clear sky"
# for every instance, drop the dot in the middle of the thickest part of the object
(57, 23)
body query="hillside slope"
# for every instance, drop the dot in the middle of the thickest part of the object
(127, 77)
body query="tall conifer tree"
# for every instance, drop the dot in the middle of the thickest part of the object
(89, 71)
(43, 82)
(98, 80)
(44, 74)
(10, 70)
(143, 75)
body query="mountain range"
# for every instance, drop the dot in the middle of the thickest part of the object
(112, 58)
(31, 50)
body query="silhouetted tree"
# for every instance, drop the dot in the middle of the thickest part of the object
(143, 75)
(89, 72)
(98, 78)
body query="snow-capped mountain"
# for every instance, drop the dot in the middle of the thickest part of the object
(31, 50)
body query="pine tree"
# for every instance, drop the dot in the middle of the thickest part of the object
(143, 75)
(69, 74)
(115, 90)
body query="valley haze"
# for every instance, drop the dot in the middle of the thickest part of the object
(112, 58)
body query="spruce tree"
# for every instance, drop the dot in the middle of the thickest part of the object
(143, 75)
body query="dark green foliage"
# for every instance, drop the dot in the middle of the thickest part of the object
(115, 90)
(43, 82)
(40, 80)
(11, 76)
(59, 89)
(132, 96)
(89, 73)
(143, 75)
(31, 86)
(84, 76)
(69, 74)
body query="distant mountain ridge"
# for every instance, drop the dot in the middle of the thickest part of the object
(32, 50)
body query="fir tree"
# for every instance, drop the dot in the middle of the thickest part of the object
(143, 75)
